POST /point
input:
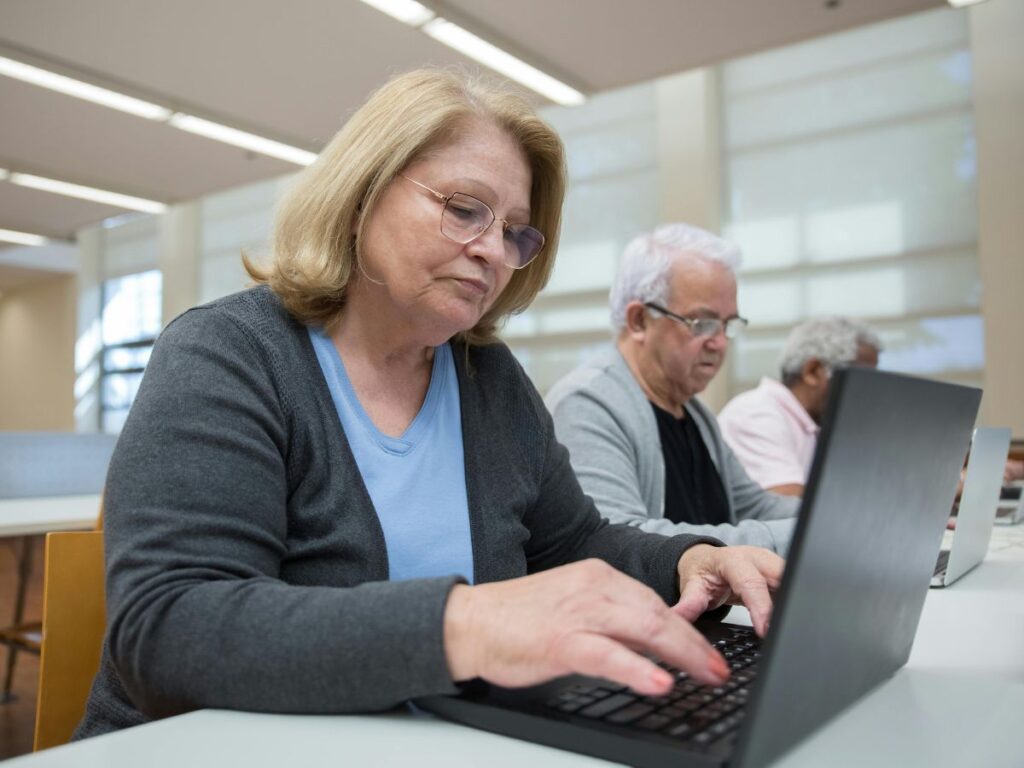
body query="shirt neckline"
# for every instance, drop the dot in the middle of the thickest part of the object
(410, 438)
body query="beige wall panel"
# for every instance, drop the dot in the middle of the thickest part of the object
(996, 30)
(37, 356)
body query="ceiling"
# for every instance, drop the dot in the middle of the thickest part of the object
(293, 71)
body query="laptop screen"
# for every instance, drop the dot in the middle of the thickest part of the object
(873, 514)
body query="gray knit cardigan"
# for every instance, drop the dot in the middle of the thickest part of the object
(246, 567)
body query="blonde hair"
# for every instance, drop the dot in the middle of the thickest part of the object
(318, 223)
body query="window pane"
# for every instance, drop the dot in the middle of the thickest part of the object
(950, 347)
(882, 191)
(120, 358)
(113, 421)
(832, 55)
(893, 89)
(132, 307)
(935, 345)
(119, 390)
(850, 186)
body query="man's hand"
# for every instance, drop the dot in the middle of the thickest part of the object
(712, 576)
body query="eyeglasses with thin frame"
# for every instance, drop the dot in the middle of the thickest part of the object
(464, 218)
(704, 326)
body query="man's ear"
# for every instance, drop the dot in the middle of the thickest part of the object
(813, 372)
(636, 317)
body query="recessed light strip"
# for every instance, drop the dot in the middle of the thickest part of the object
(80, 90)
(406, 11)
(468, 44)
(465, 42)
(119, 101)
(22, 238)
(242, 139)
(86, 193)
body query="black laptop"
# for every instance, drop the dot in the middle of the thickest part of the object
(873, 514)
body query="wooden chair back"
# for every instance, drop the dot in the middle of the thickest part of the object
(74, 619)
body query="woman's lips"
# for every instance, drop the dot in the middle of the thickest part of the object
(478, 287)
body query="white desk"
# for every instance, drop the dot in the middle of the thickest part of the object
(19, 519)
(33, 516)
(958, 702)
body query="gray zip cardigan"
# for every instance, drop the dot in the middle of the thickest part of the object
(603, 417)
(246, 567)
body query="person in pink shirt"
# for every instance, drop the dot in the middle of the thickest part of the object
(773, 429)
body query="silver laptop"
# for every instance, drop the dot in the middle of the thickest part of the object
(978, 502)
(1011, 504)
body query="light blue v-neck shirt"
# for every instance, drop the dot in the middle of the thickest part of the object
(417, 482)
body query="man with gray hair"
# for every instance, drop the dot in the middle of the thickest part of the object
(773, 429)
(643, 447)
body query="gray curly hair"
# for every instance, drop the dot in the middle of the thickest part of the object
(832, 340)
(648, 259)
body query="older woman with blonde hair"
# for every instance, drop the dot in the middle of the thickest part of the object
(336, 491)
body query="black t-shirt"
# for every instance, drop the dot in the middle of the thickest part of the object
(693, 489)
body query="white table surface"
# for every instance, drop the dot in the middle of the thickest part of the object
(958, 702)
(31, 516)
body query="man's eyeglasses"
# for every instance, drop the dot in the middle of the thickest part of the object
(464, 218)
(704, 326)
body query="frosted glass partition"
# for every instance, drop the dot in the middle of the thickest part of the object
(130, 244)
(231, 222)
(933, 282)
(893, 89)
(951, 347)
(612, 147)
(875, 192)
(548, 363)
(849, 166)
(865, 47)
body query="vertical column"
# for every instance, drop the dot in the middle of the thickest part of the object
(995, 33)
(179, 258)
(88, 341)
(689, 159)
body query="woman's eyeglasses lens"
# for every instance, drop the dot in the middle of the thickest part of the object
(465, 218)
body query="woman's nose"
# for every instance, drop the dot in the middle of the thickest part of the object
(490, 244)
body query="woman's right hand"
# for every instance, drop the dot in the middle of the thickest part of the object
(585, 618)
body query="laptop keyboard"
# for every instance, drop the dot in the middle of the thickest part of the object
(698, 714)
(942, 562)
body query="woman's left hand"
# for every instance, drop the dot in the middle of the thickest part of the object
(712, 576)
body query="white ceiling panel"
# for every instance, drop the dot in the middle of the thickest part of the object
(41, 213)
(62, 137)
(294, 70)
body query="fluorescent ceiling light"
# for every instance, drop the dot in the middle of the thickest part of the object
(80, 90)
(150, 111)
(406, 11)
(4, 173)
(242, 139)
(964, 3)
(22, 238)
(87, 193)
(480, 50)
